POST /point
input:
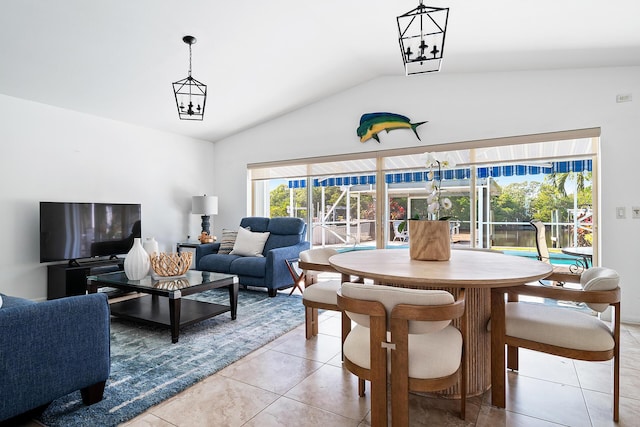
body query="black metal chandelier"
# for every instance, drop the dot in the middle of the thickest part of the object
(191, 95)
(422, 32)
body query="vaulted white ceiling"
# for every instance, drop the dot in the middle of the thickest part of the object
(117, 58)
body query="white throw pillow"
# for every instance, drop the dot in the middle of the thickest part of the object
(249, 243)
(0, 301)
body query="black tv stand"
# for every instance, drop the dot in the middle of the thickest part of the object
(70, 278)
(77, 262)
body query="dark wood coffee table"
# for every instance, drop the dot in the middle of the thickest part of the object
(164, 305)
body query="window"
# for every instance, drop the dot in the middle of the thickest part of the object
(362, 198)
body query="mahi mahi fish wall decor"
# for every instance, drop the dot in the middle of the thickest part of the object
(373, 123)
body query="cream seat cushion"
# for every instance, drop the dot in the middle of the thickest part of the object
(323, 292)
(561, 327)
(435, 347)
(433, 355)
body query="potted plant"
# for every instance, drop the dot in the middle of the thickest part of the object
(429, 238)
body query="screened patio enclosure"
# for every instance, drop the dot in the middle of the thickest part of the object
(340, 196)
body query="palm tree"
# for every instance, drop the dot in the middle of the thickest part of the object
(559, 179)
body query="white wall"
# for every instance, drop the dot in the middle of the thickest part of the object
(52, 154)
(462, 107)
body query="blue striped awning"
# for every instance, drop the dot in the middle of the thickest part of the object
(449, 174)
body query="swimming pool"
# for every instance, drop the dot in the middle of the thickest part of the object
(556, 257)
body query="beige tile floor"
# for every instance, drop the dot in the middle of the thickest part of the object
(296, 382)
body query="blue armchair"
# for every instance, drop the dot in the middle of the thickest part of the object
(286, 241)
(50, 349)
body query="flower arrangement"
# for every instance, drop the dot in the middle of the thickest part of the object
(433, 162)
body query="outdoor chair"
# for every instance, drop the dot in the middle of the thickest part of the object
(403, 235)
(561, 273)
(566, 332)
(427, 352)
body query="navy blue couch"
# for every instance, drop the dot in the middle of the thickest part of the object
(50, 349)
(286, 241)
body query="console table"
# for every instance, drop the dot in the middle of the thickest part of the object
(67, 279)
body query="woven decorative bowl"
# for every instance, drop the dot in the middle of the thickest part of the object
(172, 264)
(172, 284)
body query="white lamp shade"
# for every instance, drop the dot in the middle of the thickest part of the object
(204, 205)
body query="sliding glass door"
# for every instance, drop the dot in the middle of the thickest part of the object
(496, 188)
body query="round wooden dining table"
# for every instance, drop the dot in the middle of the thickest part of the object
(474, 270)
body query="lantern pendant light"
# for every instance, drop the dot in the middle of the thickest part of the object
(191, 95)
(421, 36)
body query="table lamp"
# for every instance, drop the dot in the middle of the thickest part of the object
(205, 206)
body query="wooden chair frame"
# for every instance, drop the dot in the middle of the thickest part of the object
(611, 297)
(377, 374)
(311, 307)
(401, 383)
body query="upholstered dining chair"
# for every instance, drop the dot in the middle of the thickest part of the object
(561, 273)
(318, 294)
(565, 331)
(414, 325)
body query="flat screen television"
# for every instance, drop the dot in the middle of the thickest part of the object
(72, 231)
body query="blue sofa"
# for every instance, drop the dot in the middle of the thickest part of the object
(286, 240)
(50, 349)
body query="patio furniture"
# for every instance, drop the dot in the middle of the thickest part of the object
(403, 235)
(266, 269)
(585, 254)
(561, 273)
(564, 332)
(426, 350)
(50, 349)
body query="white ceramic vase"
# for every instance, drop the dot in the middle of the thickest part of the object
(136, 264)
(150, 245)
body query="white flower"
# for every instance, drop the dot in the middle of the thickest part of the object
(447, 161)
(443, 160)
(436, 161)
(429, 159)
(430, 186)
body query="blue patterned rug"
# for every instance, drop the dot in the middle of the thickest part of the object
(147, 369)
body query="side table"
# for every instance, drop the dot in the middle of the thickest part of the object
(181, 245)
(191, 245)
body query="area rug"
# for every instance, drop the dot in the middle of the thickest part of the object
(147, 369)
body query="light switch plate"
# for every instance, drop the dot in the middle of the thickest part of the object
(621, 212)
